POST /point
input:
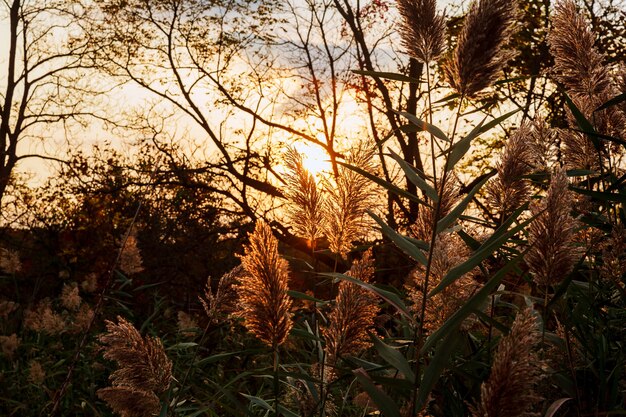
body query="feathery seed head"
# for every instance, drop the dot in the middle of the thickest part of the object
(224, 298)
(423, 30)
(509, 190)
(349, 197)
(479, 57)
(142, 362)
(144, 370)
(510, 389)
(551, 235)
(263, 288)
(305, 210)
(352, 316)
(577, 64)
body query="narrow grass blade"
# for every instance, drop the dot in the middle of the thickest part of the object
(436, 132)
(389, 186)
(612, 102)
(383, 401)
(554, 407)
(394, 358)
(453, 323)
(584, 124)
(388, 76)
(391, 298)
(407, 247)
(498, 239)
(460, 148)
(436, 367)
(602, 196)
(454, 214)
(414, 177)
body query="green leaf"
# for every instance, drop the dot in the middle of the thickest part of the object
(394, 358)
(221, 356)
(302, 296)
(388, 296)
(454, 322)
(499, 237)
(434, 130)
(454, 214)
(584, 124)
(448, 98)
(304, 334)
(461, 147)
(182, 345)
(436, 367)
(384, 403)
(554, 407)
(602, 196)
(389, 186)
(407, 247)
(259, 401)
(412, 175)
(388, 76)
(612, 102)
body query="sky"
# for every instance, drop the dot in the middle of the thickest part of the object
(56, 142)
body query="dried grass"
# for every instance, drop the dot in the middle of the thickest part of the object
(423, 30)
(349, 197)
(306, 202)
(479, 56)
(264, 303)
(353, 314)
(551, 235)
(509, 189)
(449, 251)
(223, 300)
(144, 370)
(510, 389)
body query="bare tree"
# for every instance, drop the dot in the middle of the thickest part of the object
(44, 83)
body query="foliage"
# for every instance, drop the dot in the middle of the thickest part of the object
(513, 302)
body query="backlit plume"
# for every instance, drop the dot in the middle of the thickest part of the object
(264, 303)
(423, 30)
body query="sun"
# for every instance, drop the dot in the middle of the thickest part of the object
(314, 158)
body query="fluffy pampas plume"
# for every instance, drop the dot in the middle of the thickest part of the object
(349, 197)
(552, 254)
(305, 210)
(263, 287)
(144, 370)
(479, 55)
(423, 30)
(510, 389)
(509, 189)
(352, 316)
(577, 64)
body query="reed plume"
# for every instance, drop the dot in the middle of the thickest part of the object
(551, 235)
(579, 67)
(577, 64)
(449, 251)
(509, 190)
(423, 30)
(510, 389)
(223, 300)
(479, 56)
(543, 146)
(349, 197)
(448, 196)
(352, 316)
(613, 265)
(144, 370)
(306, 202)
(264, 303)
